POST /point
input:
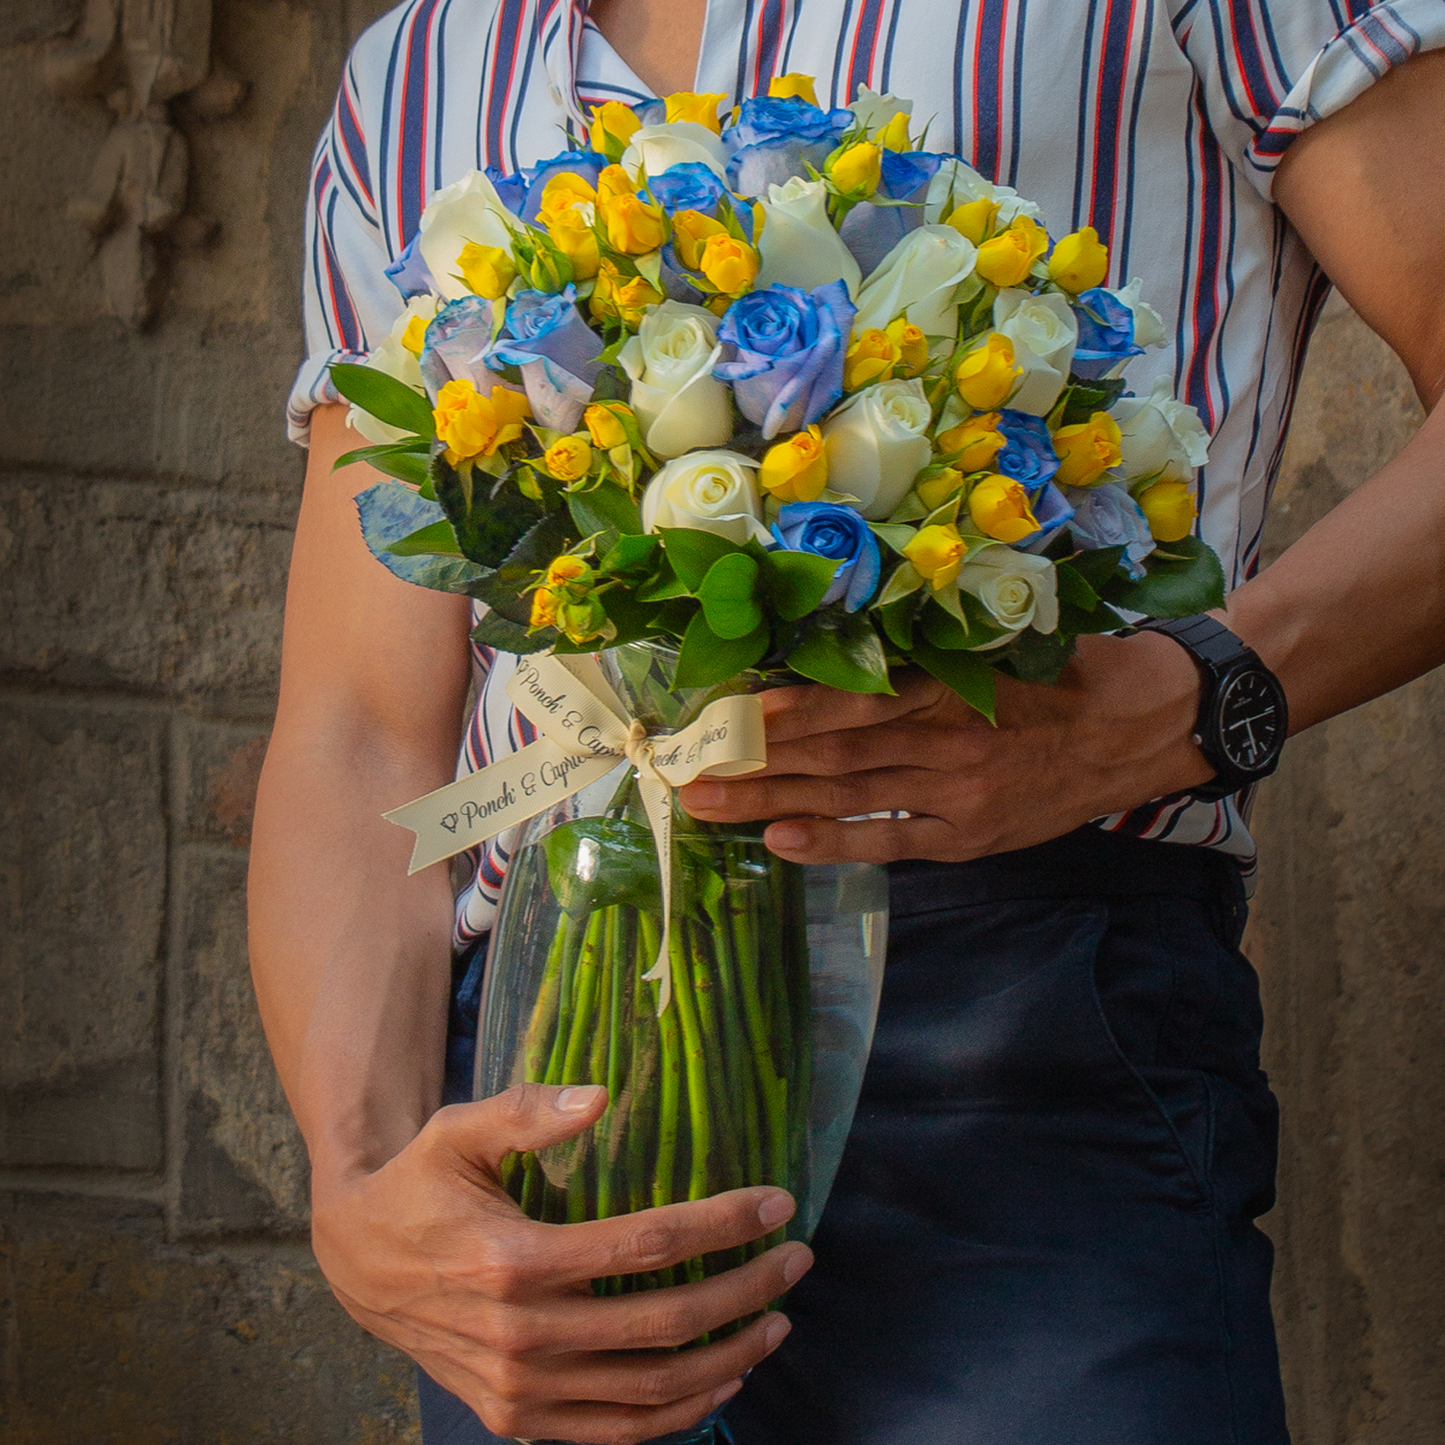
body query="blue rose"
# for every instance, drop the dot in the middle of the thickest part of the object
(511, 189)
(409, 273)
(828, 530)
(455, 340)
(776, 139)
(557, 352)
(1051, 509)
(1107, 516)
(687, 186)
(783, 352)
(1028, 452)
(1106, 334)
(585, 164)
(870, 231)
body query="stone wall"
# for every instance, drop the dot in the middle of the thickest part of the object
(155, 1284)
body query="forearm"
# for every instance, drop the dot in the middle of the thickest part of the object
(1357, 606)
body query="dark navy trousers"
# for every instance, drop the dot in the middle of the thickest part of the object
(1043, 1229)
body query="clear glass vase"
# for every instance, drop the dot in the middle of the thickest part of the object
(751, 1074)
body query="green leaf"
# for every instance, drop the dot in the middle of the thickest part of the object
(896, 536)
(794, 583)
(965, 672)
(707, 659)
(437, 539)
(406, 461)
(389, 514)
(898, 618)
(1084, 398)
(633, 619)
(1098, 567)
(386, 398)
(905, 579)
(629, 554)
(841, 649)
(1038, 656)
(488, 517)
(494, 630)
(606, 509)
(692, 551)
(595, 862)
(1074, 587)
(729, 597)
(1183, 578)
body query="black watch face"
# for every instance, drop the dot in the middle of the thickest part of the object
(1251, 720)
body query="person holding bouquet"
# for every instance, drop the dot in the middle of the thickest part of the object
(1043, 1229)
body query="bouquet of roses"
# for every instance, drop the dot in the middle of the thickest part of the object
(776, 392)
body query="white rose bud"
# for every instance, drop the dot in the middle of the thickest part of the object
(877, 444)
(955, 184)
(468, 210)
(656, 147)
(398, 361)
(1017, 589)
(1148, 324)
(1159, 436)
(799, 245)
(710, 492)
(1044, 333)
(678, 401)
(920, 278)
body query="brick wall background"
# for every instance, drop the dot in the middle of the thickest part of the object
(155, 1284)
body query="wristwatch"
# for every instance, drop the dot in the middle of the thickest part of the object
(1243, 714)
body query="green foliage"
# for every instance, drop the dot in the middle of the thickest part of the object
(1084, 398)
(965, 672)
(692, 552)
(406, 461)
(1037, 656)
(729, 596)
(842, 650)
(794, 583)
(707, 659)
(898, 618)
(1098, 567)
(436, 539)
(606, 510)
(494, 630)
(595, 862)
(1183, 578)
(390, 515)
(488, 515)
(387, 399)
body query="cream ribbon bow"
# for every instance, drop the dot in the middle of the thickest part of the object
(586, 732)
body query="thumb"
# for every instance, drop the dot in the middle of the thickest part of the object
(525, 1117)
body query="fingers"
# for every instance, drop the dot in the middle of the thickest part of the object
(602, 1424)
(874, 840)
(798, 712)
(882, 790)
(526, 1116)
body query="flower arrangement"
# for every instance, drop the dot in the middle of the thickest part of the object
(785, 389)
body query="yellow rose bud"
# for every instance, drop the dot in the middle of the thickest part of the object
(796, 470)
(1000, 509)
(472, 425)
(619, 300)
(1169, 509)
(912, 347)
(568, 458)
(414, 337)
(634, 226)
(1008, 258)
(612, 121)
(871, 357)
(1087, 451)
(986, 377)
(858, 170)
(567, 568)
(487, 270)
(578, 242)
(1080, 261)
(614, 181)
(977, 441)
(701, 109)
(793, 84)
(581, 621)
(934, 492)
(562, 194)
(690, 231)
(544, 608)
(974, 219)
(894, 135)
(603, 425)
(729, 264)
(936, 553)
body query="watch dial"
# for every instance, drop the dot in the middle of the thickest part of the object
(1251, 720)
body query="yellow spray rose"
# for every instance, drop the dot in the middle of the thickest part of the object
(634, 226)
(1008, 258)
(729, 264)
(986, 377)
(857, 171)
(472, 425)
(690, 105)
(872, 356)
(690, 232)
(1169, 509)
(567, 568)
(794, 84)
(1086, 451)
(487, 270)
(977, 441)
(414, 337)
(974, 219)
(602, 420)
(613, 125)
(544, 608)
(796, 470)
(912, 347)
(616, 299)
(1080, 261)
(576, 240)
(568, 458)
(562, 194)
(614, 181)
(894, 135)
(1000, 509)
(936, 553)
(939, 488)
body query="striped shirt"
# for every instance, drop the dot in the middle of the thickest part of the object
(1158, 122)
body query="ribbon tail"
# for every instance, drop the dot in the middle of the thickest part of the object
(657, 800)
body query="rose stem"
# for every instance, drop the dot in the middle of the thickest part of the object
(583, 1021)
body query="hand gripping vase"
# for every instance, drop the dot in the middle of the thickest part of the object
(751, 1073)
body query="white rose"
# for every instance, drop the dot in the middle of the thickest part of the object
(799, 245)
(1044, 332)
(710, 492)
(395, 360)
(921, 278)
(656, 147)
(877, 444)
(1160, 435)
(1018, 589)
(468, 210)
(874, 111)
(678, 401)
(1148, 323)
(955, 184)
